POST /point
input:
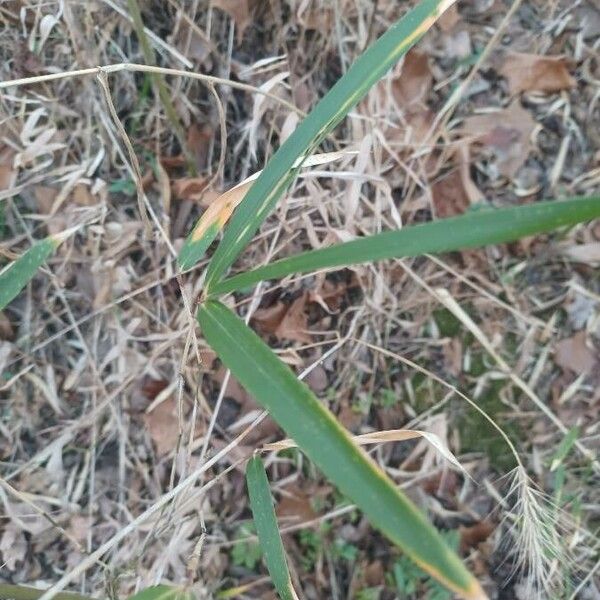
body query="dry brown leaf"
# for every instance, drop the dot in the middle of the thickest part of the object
(198, 142)
(8, 174)
(573, 354)
(286, 322)
(317, 379)
(6, 329)
(534, 72)
(82, 195)
(374, 574)
(414, 81)
(7, 177)
(507, 133)
(471, 537)
(449, 196)
(266, 320)
(295, 505)
(163, 426)
(171, 163)
(294, 324)
(45, 196)
(222, 207)
(316, 17)
(189, 188)
(79, 527)
(239, 11)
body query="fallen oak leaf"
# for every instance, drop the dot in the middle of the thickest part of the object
(534, 72)
(507, 133)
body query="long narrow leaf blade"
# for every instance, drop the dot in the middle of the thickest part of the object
(212, 221)
(266, 527)
(345, 94)
(163, 592)
(480, 228)
(19, 273)
(330, 447)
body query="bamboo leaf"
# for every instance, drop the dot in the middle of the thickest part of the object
(330, 110)
(163, 592)
(217, 214)
(266, 527)
(477, 228)
(20, 272)
(330, 447)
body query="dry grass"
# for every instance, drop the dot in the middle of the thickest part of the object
(122, 440)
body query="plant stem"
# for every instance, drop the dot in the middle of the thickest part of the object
(159, 85)
(24, 592)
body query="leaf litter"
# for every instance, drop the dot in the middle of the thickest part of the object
(505, 134)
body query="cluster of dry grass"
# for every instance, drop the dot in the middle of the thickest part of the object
(123, 440)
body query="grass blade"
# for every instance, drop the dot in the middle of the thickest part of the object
(163, 592)
(266, 527)
(345, 94)
(25, 592)
(330, 446)
(217, 214)
(477, 228)
(20, 272)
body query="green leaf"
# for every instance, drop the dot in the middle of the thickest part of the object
(330, 447)
(564, 448)
(330, 110)
(163, 592)
(212, 221)
(470, 230)
(266, 527)
(20, 272)
(25, 592)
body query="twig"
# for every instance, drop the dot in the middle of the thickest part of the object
(137, 68)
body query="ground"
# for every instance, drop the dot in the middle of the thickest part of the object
(110, 398)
